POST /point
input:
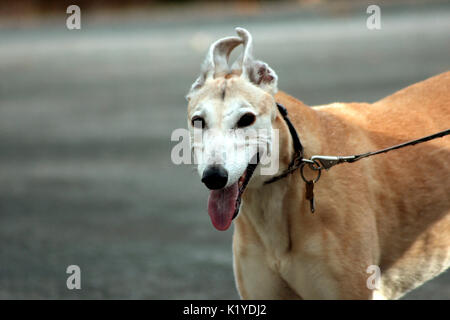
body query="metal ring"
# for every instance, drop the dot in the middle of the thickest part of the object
(319, 170)
(315, 165)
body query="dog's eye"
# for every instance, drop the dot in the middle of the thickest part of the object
(198, 122)
(246, 120)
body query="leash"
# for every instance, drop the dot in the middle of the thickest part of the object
(320, 162)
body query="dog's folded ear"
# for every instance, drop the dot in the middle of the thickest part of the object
(263, 76)
(216, 61)
(216, 64)
(256, 71)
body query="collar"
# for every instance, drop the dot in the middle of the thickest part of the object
(298, 148)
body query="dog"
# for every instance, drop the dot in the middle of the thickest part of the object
(381, 226)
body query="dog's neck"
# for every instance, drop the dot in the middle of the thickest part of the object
(269, 206)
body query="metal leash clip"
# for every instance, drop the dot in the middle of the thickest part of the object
(326, 162)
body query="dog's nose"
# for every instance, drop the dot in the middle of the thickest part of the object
(215, 177)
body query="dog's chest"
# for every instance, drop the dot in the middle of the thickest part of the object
(267, 214)
(280, 228)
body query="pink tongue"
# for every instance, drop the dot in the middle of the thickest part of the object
(221, 206)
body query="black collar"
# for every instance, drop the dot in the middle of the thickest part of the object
(298, 148)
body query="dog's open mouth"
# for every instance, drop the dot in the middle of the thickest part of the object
(224, 204)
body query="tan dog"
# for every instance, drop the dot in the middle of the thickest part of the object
(389, 211)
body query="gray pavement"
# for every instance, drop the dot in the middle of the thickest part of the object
(85, 123)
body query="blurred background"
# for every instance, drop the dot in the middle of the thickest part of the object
(86, 117)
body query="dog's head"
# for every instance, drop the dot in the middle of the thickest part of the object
(230, 114)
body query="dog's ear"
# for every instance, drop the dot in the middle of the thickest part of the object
(263, 76)
(257, 72)
(216, 61)
(216, 64)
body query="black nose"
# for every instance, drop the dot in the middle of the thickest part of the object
(215, 177)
